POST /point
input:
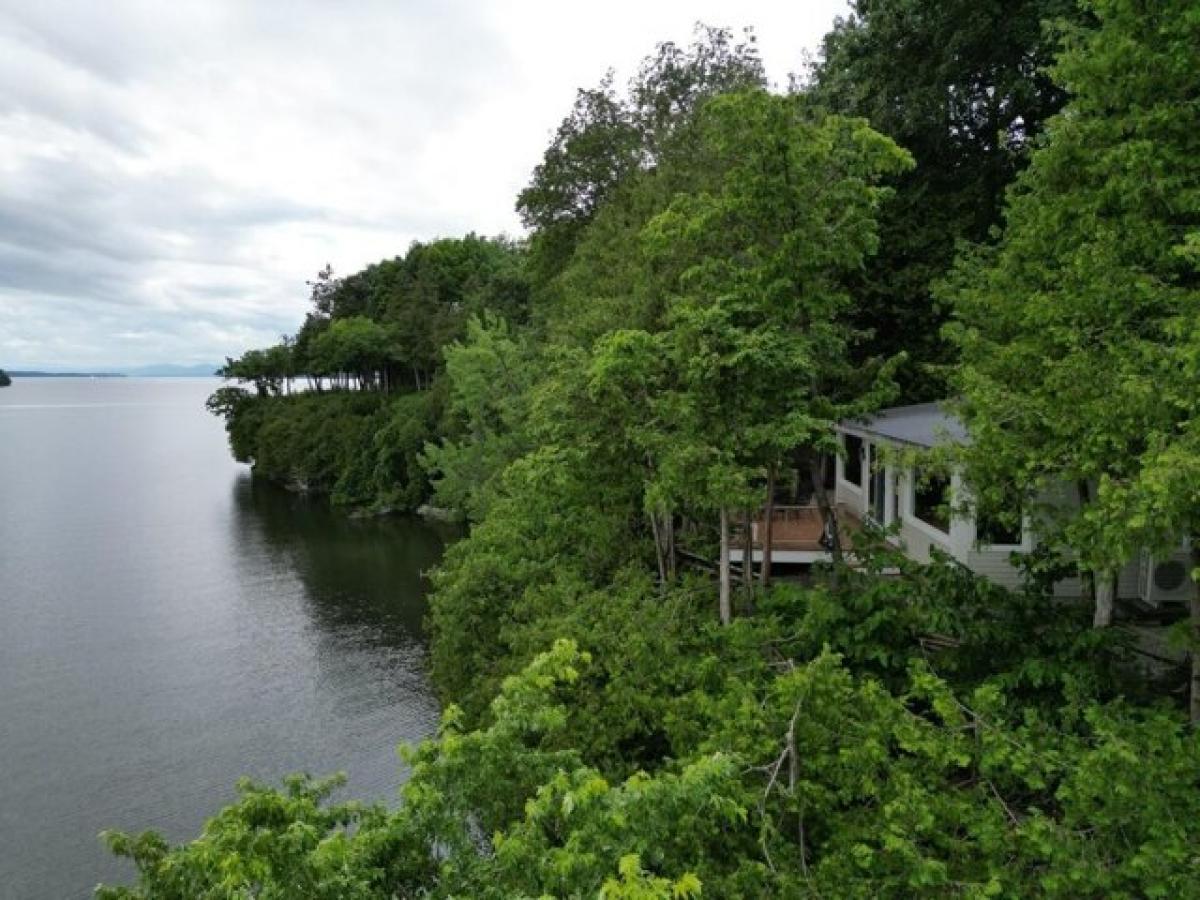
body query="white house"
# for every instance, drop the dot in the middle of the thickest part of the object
(871, 488)
(868, 485)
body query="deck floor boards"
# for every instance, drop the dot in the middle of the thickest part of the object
(800, 528)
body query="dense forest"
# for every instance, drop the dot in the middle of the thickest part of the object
(997, 203)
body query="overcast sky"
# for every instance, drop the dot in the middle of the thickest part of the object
(172, 172)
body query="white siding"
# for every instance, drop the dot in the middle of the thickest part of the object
(852, 495)
(1129, 584)
(918, 541)
(995, 566)
(917, 537)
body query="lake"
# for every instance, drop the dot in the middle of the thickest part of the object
(168, 624)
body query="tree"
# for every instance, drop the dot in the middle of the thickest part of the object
(963, 86)
(604, 735)
(759, 321)
(491, 374)
(595, 148)
(430, 294)
(5, 379)
(356, 347)
(1075, 331)
(806, 775)
(607, 138)
(268, 369)
(323, 290)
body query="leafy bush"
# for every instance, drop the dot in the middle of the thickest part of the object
(808, 780)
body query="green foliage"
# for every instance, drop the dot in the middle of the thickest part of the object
(370, 354)
(5, 379)
(396, 473)
(607, 283)
(268, 369)
(758, 326)
(963, 86)
(1077, 331)
(269, 844)
(803, 777)
(490, 376)
(704, 296)
(608, 139)
(513, 774)
(354, 344)
(242, 419)
(360, 448)
(557, 519)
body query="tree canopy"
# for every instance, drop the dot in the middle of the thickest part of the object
(609, 138)
(717, 274)
(964, 86)
(1076, 329)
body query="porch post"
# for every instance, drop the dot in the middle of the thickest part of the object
(724, 608)
(768, 528)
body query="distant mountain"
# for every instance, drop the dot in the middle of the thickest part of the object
(162, 370)
(170, 370)
(41, 373)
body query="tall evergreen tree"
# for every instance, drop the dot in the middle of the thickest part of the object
(757, 324)
(609, 137)
(962, 85)
(1077, 331)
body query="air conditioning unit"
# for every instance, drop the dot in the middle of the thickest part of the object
(1168, 580)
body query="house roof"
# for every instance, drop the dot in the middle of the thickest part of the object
(922, 425)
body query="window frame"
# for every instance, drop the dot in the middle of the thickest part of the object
(857, 457)
(918, 480)
(985, 543)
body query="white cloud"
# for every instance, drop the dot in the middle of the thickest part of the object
(170, 174)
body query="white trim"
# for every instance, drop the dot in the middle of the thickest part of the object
(928, 528)
(870, 454)
(866, 435)
(783, 556)
(930, 531)
(857, 432)
(842, 482)
(1026, 545)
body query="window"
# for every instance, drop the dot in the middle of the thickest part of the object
(1002, 530)
(854, 460)
(877, 488)
(931, 501)
(998, 519)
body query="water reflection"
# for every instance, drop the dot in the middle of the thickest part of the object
(356, 572)
(167, 625)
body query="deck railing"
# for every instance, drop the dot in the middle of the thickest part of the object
(796, 527)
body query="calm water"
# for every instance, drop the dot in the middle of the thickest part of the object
(167, 625)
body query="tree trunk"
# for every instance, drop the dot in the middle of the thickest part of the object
(659, 556)
(1194, 610)
(1087, 580)
(723, 603)
(1106, 591)
(768, 528)
(748, 554)
(816, 470)
(669, 525)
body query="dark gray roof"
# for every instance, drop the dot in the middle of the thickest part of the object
(922, 425)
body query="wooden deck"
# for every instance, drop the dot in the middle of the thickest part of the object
(796, 534)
